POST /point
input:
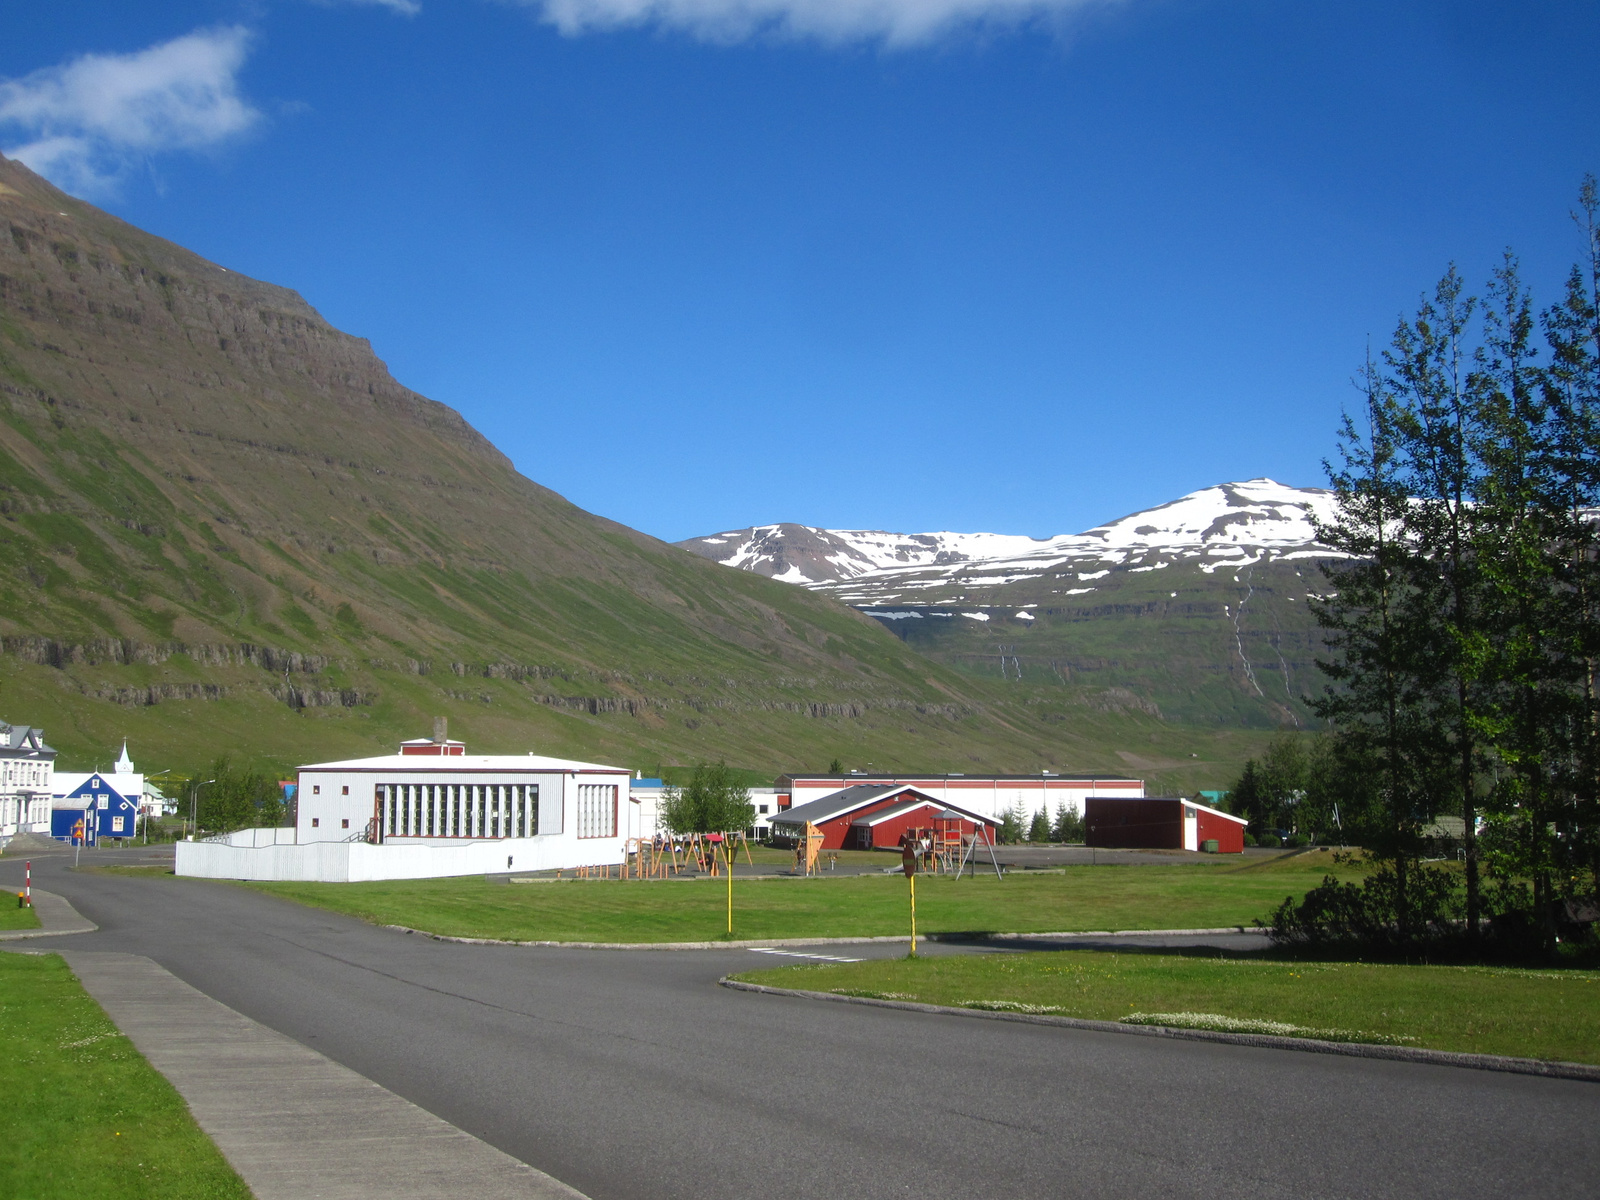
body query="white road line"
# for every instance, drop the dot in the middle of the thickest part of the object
(797, 954)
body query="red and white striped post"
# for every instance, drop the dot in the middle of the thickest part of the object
(27, 884)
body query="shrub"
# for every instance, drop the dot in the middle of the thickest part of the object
(1367, 915)
(1298, 841)
(1269, 840)
(1250, 840)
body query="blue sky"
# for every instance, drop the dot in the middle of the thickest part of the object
(1003, 265)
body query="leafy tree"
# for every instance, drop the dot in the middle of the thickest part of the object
(238, 798)
(1039, 827)
(1068, 824)
(711, 803)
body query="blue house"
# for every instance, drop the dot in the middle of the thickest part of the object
(104, 812)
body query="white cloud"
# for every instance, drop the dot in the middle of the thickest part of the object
(94, 117)
(895, 22)
(406, 8)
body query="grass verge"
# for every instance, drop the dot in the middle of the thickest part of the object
(1202, 894)
(12, 917)
(90, 1117)
(1480, 1010)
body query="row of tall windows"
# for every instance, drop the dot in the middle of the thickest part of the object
(597, 810)
(464, 810)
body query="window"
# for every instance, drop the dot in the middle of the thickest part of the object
(597, 810)
(344, 823)
(455, 810)
(116, 824)
(761, 808)
(315, 821)
(103, 802)
(316, 789)
(345, 790)
(1188, 812)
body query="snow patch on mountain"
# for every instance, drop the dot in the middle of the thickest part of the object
(1230, 524)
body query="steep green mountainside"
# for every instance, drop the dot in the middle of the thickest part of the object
(224, 526)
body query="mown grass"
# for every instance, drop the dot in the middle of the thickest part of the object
(1483, 1010)
(12, 917)
(1187, 895)
(89, 1117)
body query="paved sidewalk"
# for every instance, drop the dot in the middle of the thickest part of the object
(295, 1124)
(56, 917)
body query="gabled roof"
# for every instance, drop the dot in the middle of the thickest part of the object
(848, 800)
(24, 739)
(949, 812)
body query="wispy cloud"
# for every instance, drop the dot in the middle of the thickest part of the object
(93, 118)
(407, 8)
(894, 22)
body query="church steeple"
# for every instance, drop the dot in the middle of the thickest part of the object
(124, 764)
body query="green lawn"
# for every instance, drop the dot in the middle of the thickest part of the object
(1483, 1010)
(12, 917)
(1202, 894)
(89, 1117)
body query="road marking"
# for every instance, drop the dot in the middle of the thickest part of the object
(797, 954)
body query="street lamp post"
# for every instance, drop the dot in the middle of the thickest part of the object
(194, 803)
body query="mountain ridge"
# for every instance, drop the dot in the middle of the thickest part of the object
(223, 524)
(1198, 606)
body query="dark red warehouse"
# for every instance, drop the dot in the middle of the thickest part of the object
(1160, 823)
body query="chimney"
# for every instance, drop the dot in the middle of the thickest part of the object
(441, 727)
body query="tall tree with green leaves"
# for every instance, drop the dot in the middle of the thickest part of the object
(711, 803)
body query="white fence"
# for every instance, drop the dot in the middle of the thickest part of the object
(260, 854)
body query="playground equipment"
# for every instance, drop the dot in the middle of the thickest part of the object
(807, 847)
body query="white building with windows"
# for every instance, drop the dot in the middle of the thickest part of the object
(27, 780)
(431, 810)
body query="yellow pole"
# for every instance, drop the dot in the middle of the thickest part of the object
(728, 858)
(913, 879)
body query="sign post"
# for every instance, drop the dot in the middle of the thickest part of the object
(908, 864)
(77, 841)
(27, 884)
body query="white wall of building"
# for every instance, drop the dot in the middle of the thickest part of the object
(257, 855)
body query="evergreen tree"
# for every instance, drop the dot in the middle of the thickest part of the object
(1039, 827)
(1381, 637)
(1068, 825)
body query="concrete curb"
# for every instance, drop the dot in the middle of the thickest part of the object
(751, 943)
(56, 917)
(292, 1122)
(1440, 1058)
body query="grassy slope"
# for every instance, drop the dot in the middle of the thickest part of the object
(89, 1117)
(1205, 894)
(1481, 1010)
(195, 461)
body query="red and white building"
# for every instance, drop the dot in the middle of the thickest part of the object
(1160, 823)
(989, 795)
(874, 816)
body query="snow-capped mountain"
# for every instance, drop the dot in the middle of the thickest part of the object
(1230, 525)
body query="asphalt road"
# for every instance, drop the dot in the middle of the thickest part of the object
(631, 1074)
